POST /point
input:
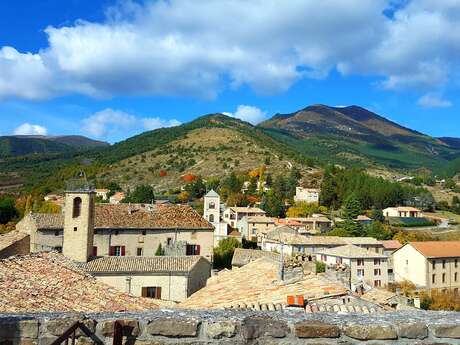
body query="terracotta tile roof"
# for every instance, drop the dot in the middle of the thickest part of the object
(255, 283)
(351, 251)
(294, 238)
(391, 244)
(438, 249)
(140, 217)
(10, 238)
(319, 219)
(379, 296)
(242, 256)
(157, 217)
(361, 241)
(49, 282)
(141, 264)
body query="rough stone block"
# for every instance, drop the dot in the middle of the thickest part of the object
(19, 329)
(314, 329)
(173, 327)
(220, 329)
(59, 326)
(371, 332)
(256, 327)
(413, 330)
(447, 331)
(47, 340)
(130, 327)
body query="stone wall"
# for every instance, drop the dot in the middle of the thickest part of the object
(230, 327)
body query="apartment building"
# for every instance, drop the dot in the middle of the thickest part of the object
(429, 265)
(233, 215)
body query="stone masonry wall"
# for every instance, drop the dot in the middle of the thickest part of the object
(232, 327)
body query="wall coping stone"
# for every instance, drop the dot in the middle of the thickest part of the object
(180, 326)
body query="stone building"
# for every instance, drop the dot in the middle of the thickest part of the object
(117, 244)
(429, 265)
(366, 267)
(160, 277)
(126, 230)
(254, 228)
(212, 213)
(306, 194)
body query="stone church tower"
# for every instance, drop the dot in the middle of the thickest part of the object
(79, 224)
(212, 208)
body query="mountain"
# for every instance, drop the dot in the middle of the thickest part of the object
(354, 135)
(19, 145)
(210, 146)
(452, 142)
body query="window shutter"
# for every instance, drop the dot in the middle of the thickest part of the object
(94, 251)
(158, 292)
(198, 249)
(122, 250)
(112, 251)
(144, 291)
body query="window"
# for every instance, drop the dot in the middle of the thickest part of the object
(169, 241)
(443, 277)
(74, 228)
(456, 263)
(455, 276)
(254, 231)
(323, 258)
(144, 232)
(443, 263)
(377, 283)
(151, 292)
(211, 218)
(193, 249)
(433, 264)
(117, 251)
(360, 272)
(76, 210)
(376, 261)
(338, 260)
(433, 278)
(139, 251)
(56, 233)
(377, 272)
(360, 262)
(212, 205)
(94, 251)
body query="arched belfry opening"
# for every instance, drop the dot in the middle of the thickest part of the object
(76, 209)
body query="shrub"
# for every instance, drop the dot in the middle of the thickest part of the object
(320, 267)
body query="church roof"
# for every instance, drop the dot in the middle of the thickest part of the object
(212, 194)
(137, 216)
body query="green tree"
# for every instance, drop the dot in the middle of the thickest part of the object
(223, 253)
(351, 207)
(273, 205)
(377, 230)
(141, 194)
(377, 215)
(8, 210)
(196, 189)
(320, 267)
(160, 251)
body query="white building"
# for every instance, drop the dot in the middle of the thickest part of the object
(233, 215)
(306, 194)
(402, 212)
(102, 193)
(212, 213)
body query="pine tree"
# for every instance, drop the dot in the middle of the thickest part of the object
(160, 251)
(351, 207)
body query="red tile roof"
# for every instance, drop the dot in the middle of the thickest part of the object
(391, 244)
(49, 282)
(438, 249)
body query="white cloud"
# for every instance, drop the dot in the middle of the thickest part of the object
(248, 113)
(111, 122)
(182, 48)
(156, 122)
(28, 129)
(108, 121)
(431, 100)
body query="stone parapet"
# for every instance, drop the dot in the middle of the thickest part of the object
(188, 327)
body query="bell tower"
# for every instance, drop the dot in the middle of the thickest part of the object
(79, 216)
(212, 208)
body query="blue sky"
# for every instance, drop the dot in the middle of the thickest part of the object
(110, 69)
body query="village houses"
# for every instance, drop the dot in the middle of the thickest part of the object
(402, 212)
(306, 194)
